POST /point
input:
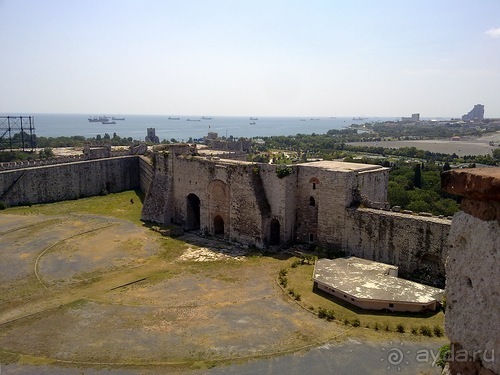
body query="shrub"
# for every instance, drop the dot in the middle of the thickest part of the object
(426, 331)
(356, 322)
(400, 328)
(444, 353)
(414, 331)
(438, 331)
(3, 206)
(346, 321)
(283, 281)
(283, 272)
(326, 314)
(376, 326)
(297, 296)
(283, 171)
(387, 328)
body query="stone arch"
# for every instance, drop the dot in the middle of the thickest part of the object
(315, 182)
(192, 212)
(274, 232)
(219, 203)
(218, 226)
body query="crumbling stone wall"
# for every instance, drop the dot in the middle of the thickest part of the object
(409, 241)
(473, 272)
(68, 181)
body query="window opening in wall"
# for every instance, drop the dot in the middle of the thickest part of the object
(314, 186)
(311, 237)
(391, 305)
(312, 202)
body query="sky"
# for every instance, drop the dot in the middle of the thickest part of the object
(250, 58)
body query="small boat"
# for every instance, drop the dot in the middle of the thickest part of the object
(118, 118)
(174, 118)
(252, 123)
(253, 118)
(358, 118)
(206, 118)
(108, 122)
(190, 119)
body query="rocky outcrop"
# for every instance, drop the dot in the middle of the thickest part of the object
(473, 272)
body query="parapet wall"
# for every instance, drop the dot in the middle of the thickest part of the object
(69, 180)
(473, 272)
(406, 240)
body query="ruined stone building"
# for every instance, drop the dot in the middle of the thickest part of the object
(321, 203)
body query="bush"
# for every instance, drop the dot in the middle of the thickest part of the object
(444, 353)
(297, 296)
(414, 331)
(326, 314)
(3, 206)
(346, 321)
(426, 331)
(283, 171)
(356, 322)
(376, 326)
(400, 328)
(283, 272)
(283, 281)
(387, 328)
(438, 331)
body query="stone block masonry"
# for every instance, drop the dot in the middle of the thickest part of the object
(409, 241)
(473, 272)
(316, 203)
(68, 181)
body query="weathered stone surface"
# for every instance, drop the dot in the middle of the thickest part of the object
(68, 181)
(473, 287)
(485, 210)
(474, 183)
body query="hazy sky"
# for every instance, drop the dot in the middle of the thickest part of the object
(253, 57)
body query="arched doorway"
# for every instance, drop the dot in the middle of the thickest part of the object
(274, 238)
(218, 226)
(193, 212)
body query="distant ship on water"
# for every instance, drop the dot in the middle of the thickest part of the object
(98, 118)
(105, 119)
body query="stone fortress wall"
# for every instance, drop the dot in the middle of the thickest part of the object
(66, 181)
(318, 203)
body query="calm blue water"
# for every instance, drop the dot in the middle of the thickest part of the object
(53, 125)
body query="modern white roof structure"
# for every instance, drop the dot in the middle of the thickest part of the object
(373, 285)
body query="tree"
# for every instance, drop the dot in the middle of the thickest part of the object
(417, 177)
(446, 167)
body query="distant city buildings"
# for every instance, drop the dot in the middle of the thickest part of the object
(475, 114)
(415, 117)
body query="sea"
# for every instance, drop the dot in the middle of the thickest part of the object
(181, 128)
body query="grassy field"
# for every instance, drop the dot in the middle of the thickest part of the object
(115, 205)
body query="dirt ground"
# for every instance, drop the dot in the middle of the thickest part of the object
(103, 295)
(63, 298)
